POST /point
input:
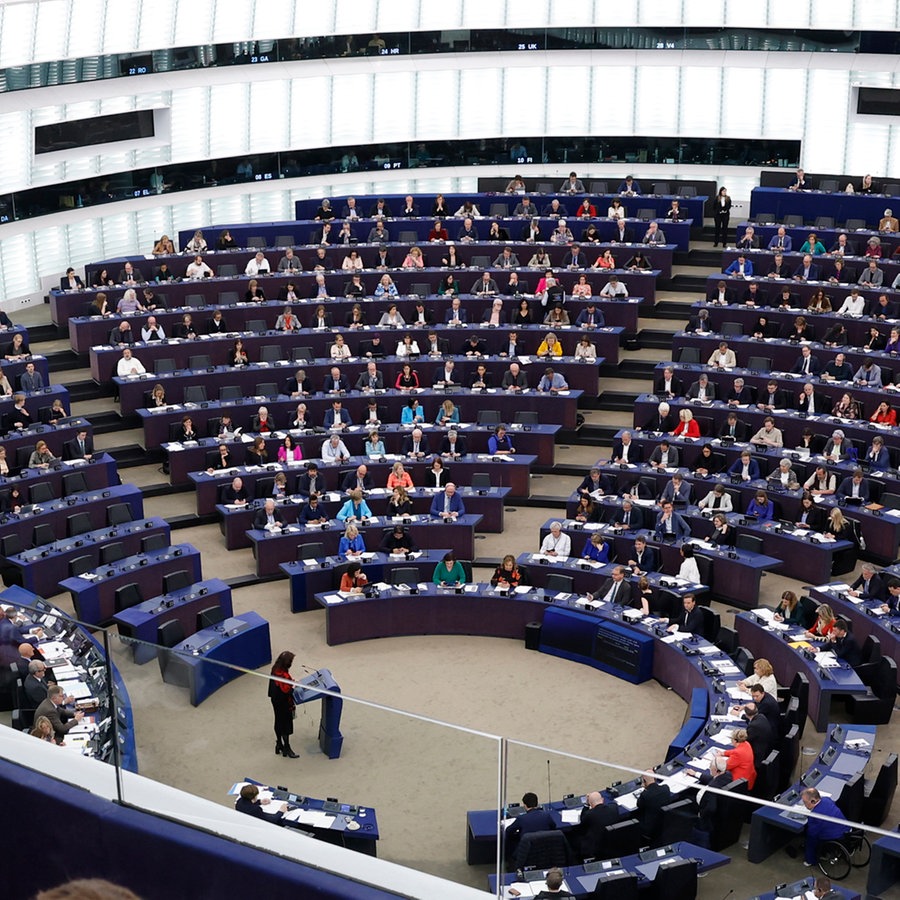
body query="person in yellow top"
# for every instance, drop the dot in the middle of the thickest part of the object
(550, 346)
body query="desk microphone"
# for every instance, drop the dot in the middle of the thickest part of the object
(549, 791)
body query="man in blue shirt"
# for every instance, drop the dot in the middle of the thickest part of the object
(818, 830)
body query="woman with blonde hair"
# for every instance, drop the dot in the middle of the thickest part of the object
(399, 477)
(763, 674)
(825, 619)
(687, 425)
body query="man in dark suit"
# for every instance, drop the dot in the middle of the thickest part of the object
(311, 482)
(453, 445)
(357, 480)
(61, 719)
(415, 444)
(643, 558)
(268, 517)
(81, 447)
(806, 363)
(759, 734)
(702, 389)
(535, 818)
(843, 644)
(587, 837)
(661, 420)
(772, 397)
(767, 706)
(628, 517)
(625, 450)
(718, 776)
(35, 684)
(217, 324)
(652, 799)
(733, 427)
(335, 382)
(595, 481)
(739, 394)
(806, 271)
(854, 487)
(664, 456)
(616, 589)
(668, 384)
(870, 585)
(435, 346)
(690, 619)
(337, 417)
(298, 385)
(234, 492)
(721, 293)
(370, 380)
(447, 505)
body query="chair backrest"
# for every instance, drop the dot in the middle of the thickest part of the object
(407, 237)
(727, 639)
(153, 542)
(210, 616)
(767, 775)
(526, 417)
(43, 535)
(854, 224)
(760, 363)
(201, 361)
(10, 545)
(878, 800)
(732, 329)
(809, 609)
(598, 187)
(766, 218)
(712, 622)
(623, 838)
(264, 487)
(489, 417)
(500, 210)
(544, 187)
(687, 190)
(256, 242)
(119, 514)
(177, 581)
(542, 849)
(790, 753)
(284, 240)
(850, 801)
(676, 880)
(646, 213)
(689, 355)
(480, 262)
(230, 392)
(110, 553)
(164, 366)
(195, 300)
(749, 542)
(78, 523)
(481, 481)
(195, 393)
(302, 354)
(257, 325)
(662, 187)
(73, 483)
(891, 189)
(560, 583)
(270, 353)
(828, 184)
(227, 270)
(80, 565)
(679, 819)
(871, 649)
(42, 492)
(405, 575)
(421, 289)
(310, 551)
(127, 596)
(616, 886)
(170, 633)
(267, 389)
(743, 659)
(23, 455)
(824, 222)
(705, 567)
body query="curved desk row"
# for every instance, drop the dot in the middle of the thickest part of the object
(763, 261)
(42, 568)
(780, 202)
(90, 331)
(56, 436)
(802, 290)
(97, 599)
(552, 409)
(235, 523)
(318, 576)
(100, 471)
(270, 550)
(57, 513)
(278, 378)
(208, 292)
(828, 236)
(67, 643)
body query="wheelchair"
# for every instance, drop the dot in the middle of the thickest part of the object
(837, 857)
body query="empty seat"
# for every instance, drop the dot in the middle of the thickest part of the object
(154, 542)
(646, 214)
(759, 364)
(119, 514)
(110, 553)
(210, 616)
(404, 575)
(256, 242)
(284, 240)
(563, 584)
(792, 220)
(42, 492)
(267, 389)
(195, 300)
(80, 565)
(750, 543)
(526, 417)
(201, 361)
(616, 885)
(257, 325)
(689, 356)
(164, 366)
(127, 596)
(766, 218)
(302, 354)
(170, 633)
(891, 189)
(407, 237)
(310, 551)
(824, 222)
(177, 581)
(73, 483)
(421, 289)
(855, 224)
(879, 793)
(78, 523)
(598, 187)
(230, 392)
(501, 210)
(226, 270)
(228, 298)
(10, 545)
(544, 187)
(481, 481)
(264, 487)
(662, 187)
(43, 535)
(687, 190)
(481, 262)
(828, 185)
(743, 659)
(270, 353)
(489, 417)
(195, 393)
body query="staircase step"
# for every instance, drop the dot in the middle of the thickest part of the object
(688, 284)
(657, 340)
(670, 309)
(88, 390)
(615, 401)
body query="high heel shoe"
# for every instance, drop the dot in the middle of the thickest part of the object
(278, 748)
(288, 752)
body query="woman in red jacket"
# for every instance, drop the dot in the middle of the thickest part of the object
(281, 693)
(740, 758)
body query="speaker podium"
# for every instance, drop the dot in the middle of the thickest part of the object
(310, 688)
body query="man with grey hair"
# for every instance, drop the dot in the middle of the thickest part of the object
(35, 685)
(836, 447)
(557, 543)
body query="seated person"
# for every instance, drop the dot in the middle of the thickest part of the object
(625, 451)
(702, 389)
(668, 384)
(734, 428)
(761, 507)
(677, 490)
(508, 574)
(718, 499)
(557, 543)
(854, 488)
(746, 467)
(449, 571)
(669, 524)
(664, 456)
(784, 475)
(723, 535)
(268, 518)
(398, 541)
(838, 369)
(628, 517)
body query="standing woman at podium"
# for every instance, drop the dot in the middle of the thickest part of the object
(281, 693)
